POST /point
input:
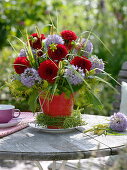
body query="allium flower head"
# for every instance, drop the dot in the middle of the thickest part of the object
(88, 46)
(22, 53)
(97, 64)
(118, 122)
(53, 39)
(34, 52)
(74, 75)
(30, 77)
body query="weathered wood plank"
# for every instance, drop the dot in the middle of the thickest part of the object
(123, 74)
(54, 156)
(116, 105)
(115, 141)
(115, 110)
(117, 97)
(124, 66)
(122, 79)
(48, 146)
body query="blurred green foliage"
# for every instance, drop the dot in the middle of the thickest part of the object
(106, 20)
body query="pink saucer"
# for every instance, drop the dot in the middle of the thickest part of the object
(12, 122)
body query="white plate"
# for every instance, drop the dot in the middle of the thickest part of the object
(45, 129)
(11, 123)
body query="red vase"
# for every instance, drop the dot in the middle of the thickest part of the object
(58, 105)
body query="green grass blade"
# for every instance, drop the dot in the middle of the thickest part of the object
(105, 82)
(13, 48)
(111, 77)
(99, 40)
(30, 57)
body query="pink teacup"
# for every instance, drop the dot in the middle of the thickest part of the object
(7, 113)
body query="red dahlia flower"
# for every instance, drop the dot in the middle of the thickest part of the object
(82, 62)
(68, 45)
(20, 64)
(68, 35)
(36, 41)
(59, 53)
(48, 70)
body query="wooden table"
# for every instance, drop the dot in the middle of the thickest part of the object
(35, 145)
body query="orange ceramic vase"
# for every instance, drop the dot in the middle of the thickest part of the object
(59, 105)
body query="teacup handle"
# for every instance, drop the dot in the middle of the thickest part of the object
(17, 110)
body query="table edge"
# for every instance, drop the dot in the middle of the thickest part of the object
(55, 155)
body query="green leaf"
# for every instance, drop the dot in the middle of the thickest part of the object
(70, 86)
(107, 74)
(93, 99)
(90, 32)
(110, 132)
(103, 81)
(30, 56)
(33, 101)
(2, 86)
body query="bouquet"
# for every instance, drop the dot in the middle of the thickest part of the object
(56, 65)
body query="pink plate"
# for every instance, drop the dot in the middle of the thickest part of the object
(11, 123)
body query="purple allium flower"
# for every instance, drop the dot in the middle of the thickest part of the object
(34, 52)
(22, 53)
(97, 64)
(118, 122)
(30, 77)
(53, 39)
(88, 46)
(74, 75)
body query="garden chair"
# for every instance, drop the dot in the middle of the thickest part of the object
(122, 76)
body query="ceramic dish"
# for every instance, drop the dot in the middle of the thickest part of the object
(45, 129)
(11, 123)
